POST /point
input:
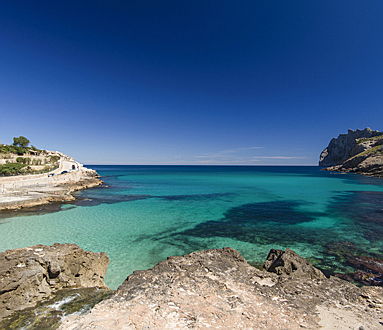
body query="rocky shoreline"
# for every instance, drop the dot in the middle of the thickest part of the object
(211, 288)
(358, 151)
(57, 194)
(27, 191)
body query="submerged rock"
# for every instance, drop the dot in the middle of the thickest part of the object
(370, 264)
(219, 289)
(33, 274)
(362, 277)
(360, 268)
(370, 270)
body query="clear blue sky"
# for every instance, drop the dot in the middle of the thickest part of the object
(190, 82)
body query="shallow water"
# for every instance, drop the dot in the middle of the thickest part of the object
(148, 213)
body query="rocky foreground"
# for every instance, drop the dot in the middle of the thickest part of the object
(219, 289)
(359, 151)
(35, 274)
(212, 288)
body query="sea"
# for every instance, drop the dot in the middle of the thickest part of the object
(144, 214)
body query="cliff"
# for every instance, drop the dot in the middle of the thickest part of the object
(219, 289)
(359, 151)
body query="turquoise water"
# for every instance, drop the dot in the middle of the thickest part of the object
(148, 213)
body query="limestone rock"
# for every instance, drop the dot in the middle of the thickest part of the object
(219, 289)
(32, 274)
(345, 146)
(359, 151)
(291, 264)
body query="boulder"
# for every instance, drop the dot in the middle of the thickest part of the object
(33, 274)
(291, 264)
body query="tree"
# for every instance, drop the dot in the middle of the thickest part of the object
(21, 141)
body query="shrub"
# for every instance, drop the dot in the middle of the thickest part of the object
(54, 159)
(11, 169)
(23, 160)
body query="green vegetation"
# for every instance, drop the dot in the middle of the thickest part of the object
(20, 168)
(6, 149)
(23, 160)
(19, 147)
(371, 151)
(372, 139)
(54, 159)
(21, 141)
(18, 158)
(11, 169)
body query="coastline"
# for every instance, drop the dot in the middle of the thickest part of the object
(340, 169)
(19, 192)
(356, 152)
(63, 193)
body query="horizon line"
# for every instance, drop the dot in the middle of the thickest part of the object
(86, 164)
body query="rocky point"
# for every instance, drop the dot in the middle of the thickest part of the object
(358, 151)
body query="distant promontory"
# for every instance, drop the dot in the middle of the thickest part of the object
(357, 151)
(30, 176)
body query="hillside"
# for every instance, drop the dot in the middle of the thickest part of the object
(30, 176)
(359, 151)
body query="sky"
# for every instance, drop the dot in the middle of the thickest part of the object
(260, 82)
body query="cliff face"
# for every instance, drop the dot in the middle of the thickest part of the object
(359, 151)
(345, 146)
(219, 289)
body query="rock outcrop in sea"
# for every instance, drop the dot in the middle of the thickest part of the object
(358, 151)
(219, 289)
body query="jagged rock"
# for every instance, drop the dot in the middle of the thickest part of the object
(289, 263)
(219, 289)
(359, 151)
(32, 274)
(345, 146)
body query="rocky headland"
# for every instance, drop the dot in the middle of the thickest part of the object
(211, 288)
(358, 151)
(64, 176)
